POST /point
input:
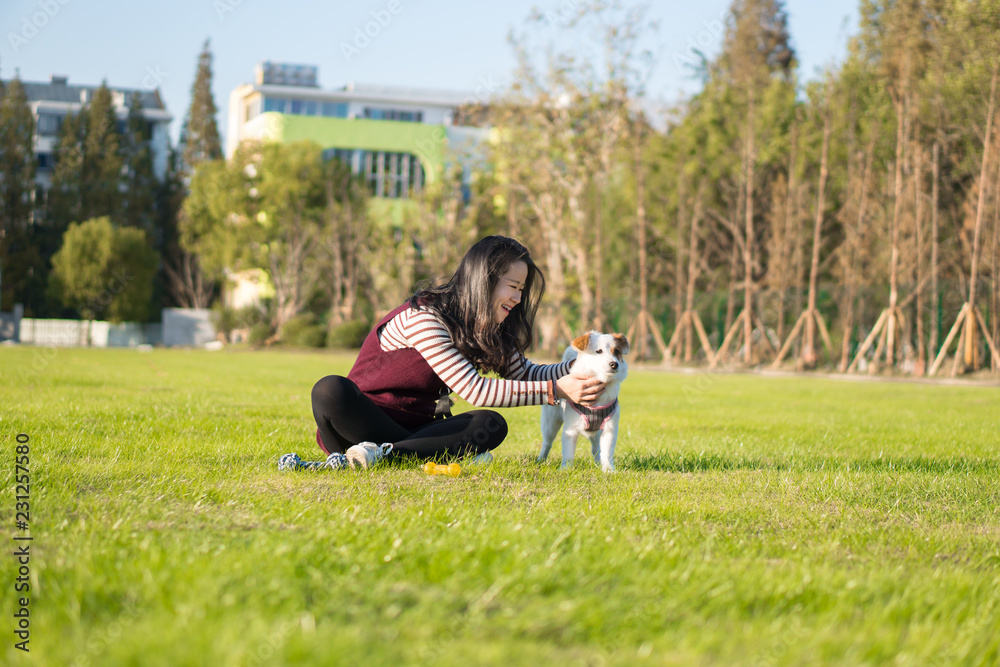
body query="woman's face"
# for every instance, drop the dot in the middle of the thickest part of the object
(507, 293)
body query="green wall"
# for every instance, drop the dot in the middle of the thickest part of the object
(427, 142)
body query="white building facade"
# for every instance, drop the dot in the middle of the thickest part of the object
(52, 102)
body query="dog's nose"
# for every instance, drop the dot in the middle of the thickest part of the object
(614, 365)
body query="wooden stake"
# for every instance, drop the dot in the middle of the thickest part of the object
(791, 339)
(947, 341)
(868, 340)
(807, 354)
(986, 334)
(724, 348)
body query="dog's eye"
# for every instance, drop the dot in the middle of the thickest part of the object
(600, 352)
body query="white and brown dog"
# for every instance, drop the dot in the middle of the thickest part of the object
(601, 356)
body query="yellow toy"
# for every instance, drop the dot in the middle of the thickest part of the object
(452, 469)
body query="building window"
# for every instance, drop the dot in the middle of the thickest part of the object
(48, 124)
(389, 175)
(275, 104)
(45, 161)
(334, 110)
(394, 114)
(298, 107)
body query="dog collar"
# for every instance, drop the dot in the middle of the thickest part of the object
(596, 417)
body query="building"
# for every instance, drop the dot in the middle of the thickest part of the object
(396, 137)
(51, 102)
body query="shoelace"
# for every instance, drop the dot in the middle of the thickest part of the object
(292, 461)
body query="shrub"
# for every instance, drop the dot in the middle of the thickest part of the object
(349, 335)
(248, 317)
(259, 333)
(225, 320)
(303, 331)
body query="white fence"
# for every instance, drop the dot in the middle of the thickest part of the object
(72, 333)
(186, 327)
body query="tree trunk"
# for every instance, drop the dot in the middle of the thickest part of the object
(971, 338)
(918, 222)
(580, 259)
(692, 276)
(748, 357)
(897, 207)
(640, 218)
(679, 259)
(808, 355)
(798, 254)
(935, 243)
(784, 259)
(995, 266)
(598, 322)
(856, 247)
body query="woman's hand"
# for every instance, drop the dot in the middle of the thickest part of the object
(579, 389)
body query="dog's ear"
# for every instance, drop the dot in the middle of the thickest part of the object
(581, 343)
(622, 342)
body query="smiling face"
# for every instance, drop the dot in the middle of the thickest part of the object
(507, 293)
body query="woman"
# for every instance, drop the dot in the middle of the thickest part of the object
(437, 342)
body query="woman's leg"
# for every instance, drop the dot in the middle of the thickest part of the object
(345, 416)
(471, 432)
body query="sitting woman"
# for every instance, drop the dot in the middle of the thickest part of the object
(395, 400)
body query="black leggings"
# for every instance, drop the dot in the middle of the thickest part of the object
(345, 417)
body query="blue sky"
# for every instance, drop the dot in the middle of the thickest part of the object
(451, 44)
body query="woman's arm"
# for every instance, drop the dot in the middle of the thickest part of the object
(577, 388)
(522, 369)
(423, 331)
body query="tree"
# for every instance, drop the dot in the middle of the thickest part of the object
(87, 179)
(344, 238)
(17, 157)
(200, 143)
(261, 210)
(757, 65)
(17, 187)
(104, 271)
(140, 185)
(200, 134)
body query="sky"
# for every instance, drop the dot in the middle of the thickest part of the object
(444, 44)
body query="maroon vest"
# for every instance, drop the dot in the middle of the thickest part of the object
(401, 382)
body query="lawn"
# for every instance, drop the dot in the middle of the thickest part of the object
(752, 520)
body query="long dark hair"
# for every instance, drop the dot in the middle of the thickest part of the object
(465, 304)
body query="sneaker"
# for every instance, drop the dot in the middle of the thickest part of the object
(365, 454)
(292, 461)
(479, 459)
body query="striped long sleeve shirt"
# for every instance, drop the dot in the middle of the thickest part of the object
(524, 383)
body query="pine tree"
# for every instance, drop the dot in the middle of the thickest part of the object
(17, 158)
(65, 200)
(103, 162)
(140, 182)
(87, 179)
(17, 184)
(199, 143)
(200, 134)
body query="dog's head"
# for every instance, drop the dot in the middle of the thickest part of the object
(601, 355)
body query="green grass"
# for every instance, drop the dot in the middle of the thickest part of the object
(763, 521)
